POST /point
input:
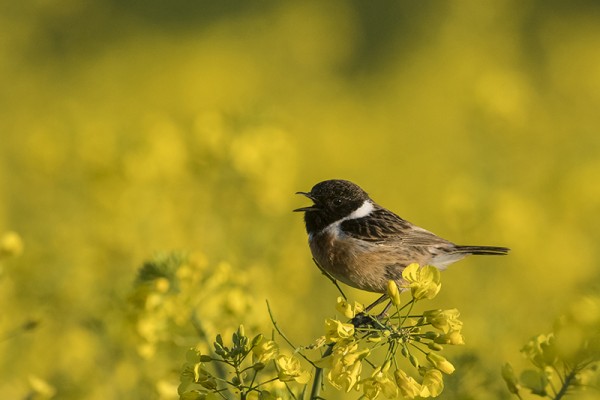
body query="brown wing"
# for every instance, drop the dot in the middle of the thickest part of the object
(383, 226)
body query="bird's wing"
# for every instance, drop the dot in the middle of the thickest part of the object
(384, 227)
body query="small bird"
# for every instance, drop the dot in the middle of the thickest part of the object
(360, 243)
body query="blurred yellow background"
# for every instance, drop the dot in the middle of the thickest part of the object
(128, 128)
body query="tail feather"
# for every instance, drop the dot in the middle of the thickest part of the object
(483, 250)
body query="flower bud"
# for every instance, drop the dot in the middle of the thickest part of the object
(258, 366)
(440, 363)
(393, 292)
(414, 361)
(374, 339)
(405, 352)
(257, 339)
(435, 347)
(431, 335)
(508, 374)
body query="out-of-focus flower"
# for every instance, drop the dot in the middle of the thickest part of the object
(586, 311)
(11, 245)
(379, 383)
(204, 378)
(264, 351)
(194, 378)
(433, 383)
(291, 370)
(41, 389)
(407, 385)
(440, 363)
(541, 350)
(444, 320)
(348, 310)
(452, 337)
(424, 282)
(336, 330)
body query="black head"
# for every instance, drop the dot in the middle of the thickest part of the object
(333, 199)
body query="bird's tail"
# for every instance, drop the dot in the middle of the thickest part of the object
(483, 250)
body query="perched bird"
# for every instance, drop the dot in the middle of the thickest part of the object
(360, 243)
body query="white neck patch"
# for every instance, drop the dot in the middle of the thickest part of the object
(364, 210)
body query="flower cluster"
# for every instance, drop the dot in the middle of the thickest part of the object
(416, 338)
(244, 367)
(408, 345)
(564, 360)
(168, 307)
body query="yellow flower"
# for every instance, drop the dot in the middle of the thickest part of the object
(11, 245)
(348, 310)
(433, 383)
(347, 352)
(444, 320)
(194, 376)
(204, 378)
(541, 350)
(586, 311)
(346, 366)
(290, 370)
(452, 337)
(408, 386)
(264, 351)
(40, 388)
(344, 377)
(393, 292)
(336, 330)
(440, 363)
(424, 282)
(379, 383)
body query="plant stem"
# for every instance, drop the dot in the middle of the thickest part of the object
(318, 381)
(565, 386)
(283, 335)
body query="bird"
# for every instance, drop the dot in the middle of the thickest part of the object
(356, 241)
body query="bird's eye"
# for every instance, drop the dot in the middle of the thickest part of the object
(337, 202)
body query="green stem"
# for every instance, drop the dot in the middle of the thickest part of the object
(284, 336)
(318, 381)
(197, 324)
(565, 386)
(265, 382)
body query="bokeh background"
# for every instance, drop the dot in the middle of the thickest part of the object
(129, 128)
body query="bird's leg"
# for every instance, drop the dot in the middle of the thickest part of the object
(364, 318)
(384, 312)
(331, 278)
(376, 303)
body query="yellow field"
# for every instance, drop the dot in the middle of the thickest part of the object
(129, 129)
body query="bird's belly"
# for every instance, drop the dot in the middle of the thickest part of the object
(357, 263)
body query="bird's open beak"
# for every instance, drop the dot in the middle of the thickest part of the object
(309, 208)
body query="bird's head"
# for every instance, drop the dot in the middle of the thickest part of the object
(332, 200)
